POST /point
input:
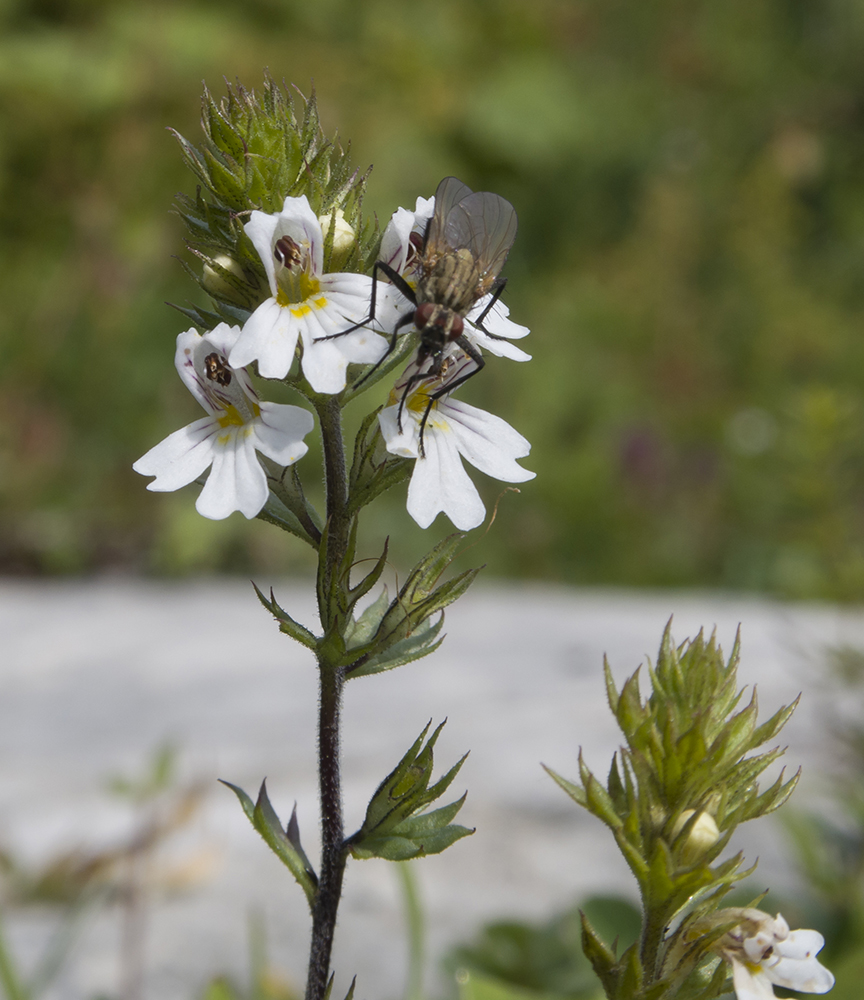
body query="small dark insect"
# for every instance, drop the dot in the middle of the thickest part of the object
(458, 259)
(216, 369)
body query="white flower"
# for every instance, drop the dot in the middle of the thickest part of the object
(400, 248)
(763, 951)
(453, 428)
(305, 303)
(237, 425)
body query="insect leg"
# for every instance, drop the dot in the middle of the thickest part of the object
(391, 347)
(478, 360)
(397, 280)
(500, 285)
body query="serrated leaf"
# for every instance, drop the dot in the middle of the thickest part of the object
(286, 623)
(403, 844)
(394, 814)
(576, 792)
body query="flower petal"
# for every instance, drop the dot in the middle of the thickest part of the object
(489, 443)
(750, 985)
(404, 443)
(260, 229)
(804, 974)
(499, 325)
(440, 483)
(236, 481)
(181, 458)
(270, 337)
(324, 365)
(280, 430)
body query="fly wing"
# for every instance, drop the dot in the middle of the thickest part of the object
(449, 193)
(485, 224)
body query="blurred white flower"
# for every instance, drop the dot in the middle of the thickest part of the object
(305, 303)
(451, 429)
(238, 424)
(401, 246)
(764, 953)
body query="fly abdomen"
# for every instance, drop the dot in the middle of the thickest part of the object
(452, 281)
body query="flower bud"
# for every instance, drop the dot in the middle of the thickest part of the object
(228, 282)
(343, 237)
(702, 837)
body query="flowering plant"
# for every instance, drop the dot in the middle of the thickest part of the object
(291, 268)
(307, 292)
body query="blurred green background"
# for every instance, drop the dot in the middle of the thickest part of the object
(689, 178)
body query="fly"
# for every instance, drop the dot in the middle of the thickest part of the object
(458, 259)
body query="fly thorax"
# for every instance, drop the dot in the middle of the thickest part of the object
(295, 281)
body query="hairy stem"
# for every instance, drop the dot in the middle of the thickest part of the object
(332, 678)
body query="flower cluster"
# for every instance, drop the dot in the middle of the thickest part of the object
(237, 425)
(764, 953)
(327, 319)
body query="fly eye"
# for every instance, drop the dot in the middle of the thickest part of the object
(287, 252)
(216, 369)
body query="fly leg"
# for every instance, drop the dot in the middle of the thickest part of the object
(478, 360)
(397, 280)
(405, 320)
(500, 285)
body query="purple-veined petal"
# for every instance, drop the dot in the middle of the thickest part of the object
(394, 242)
(260, 229)
(222, 338)
(181, 458)
(270, 337)
(489, 443)
(298, 221)
(280, 430)
(237, 481)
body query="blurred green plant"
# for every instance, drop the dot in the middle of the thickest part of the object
(690, 187)
(828, 842)
(78, 882)
(513, 959)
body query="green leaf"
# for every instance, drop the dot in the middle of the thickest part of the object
(631, 975)
(262, 816)
(576, 792)
(420, 643)
(601, 957)
(416, 837)
(395, 826)
(361, 629)
(286, 622)
(371, 578)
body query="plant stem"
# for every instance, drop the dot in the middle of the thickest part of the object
(416, 931)
(332, 679)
